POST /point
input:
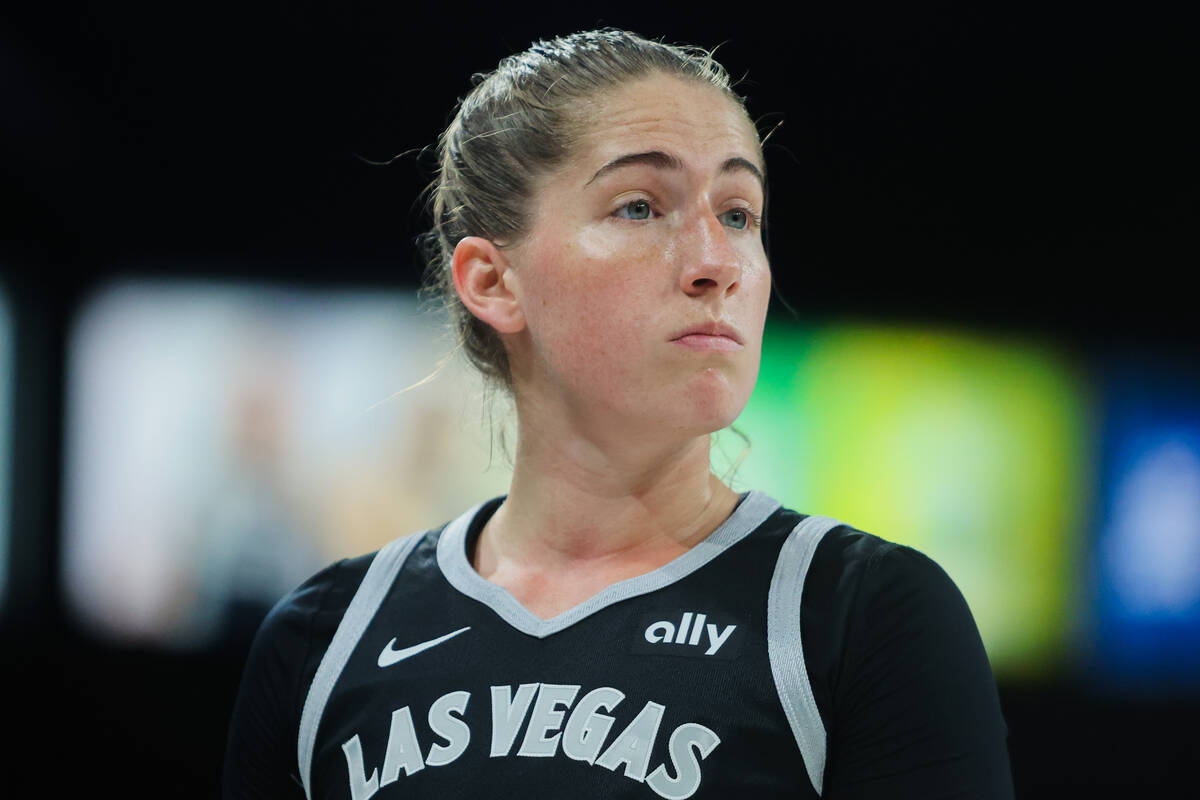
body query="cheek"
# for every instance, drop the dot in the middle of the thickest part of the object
(757, 286)
(597, 280)
(583, 311)
(598, 328)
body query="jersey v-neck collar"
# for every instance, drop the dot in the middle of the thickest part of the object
(753, 510)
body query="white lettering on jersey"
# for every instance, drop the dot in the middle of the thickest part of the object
(684, 624)
(402, 748)
(632, 746)
(687, 767)
(508, 713)
(451, 728)
(715, 640)
(546, 718)
(582, 737)
(587, 728)
(660, 632)
(361, 787)
(667, 632)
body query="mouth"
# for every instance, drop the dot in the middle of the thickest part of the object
(710, 336)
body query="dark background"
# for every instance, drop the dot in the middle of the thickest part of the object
(1007, 168)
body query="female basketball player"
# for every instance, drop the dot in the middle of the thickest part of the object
(621, 624)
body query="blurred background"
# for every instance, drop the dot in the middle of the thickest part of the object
(982, 343)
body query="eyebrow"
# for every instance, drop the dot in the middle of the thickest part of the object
(660, 160)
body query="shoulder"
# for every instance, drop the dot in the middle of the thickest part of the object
(293, 633)
(323, 596)
(869, 606)
(862, 590)
(853, 567)
(287, 651)
(836, 561)
(301, 625)
(899, 672)
(876, 585)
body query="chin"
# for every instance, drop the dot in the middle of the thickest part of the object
(712, 405)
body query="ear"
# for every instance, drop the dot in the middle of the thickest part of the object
(485, 284)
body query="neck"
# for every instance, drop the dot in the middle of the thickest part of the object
(577, 501)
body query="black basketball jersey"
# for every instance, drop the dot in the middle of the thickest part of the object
(774, 659)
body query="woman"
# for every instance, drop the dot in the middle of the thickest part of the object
(621, 624)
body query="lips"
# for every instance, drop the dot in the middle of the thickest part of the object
(709, 337)
(710, 329)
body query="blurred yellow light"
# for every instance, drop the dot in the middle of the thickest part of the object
(970, 449)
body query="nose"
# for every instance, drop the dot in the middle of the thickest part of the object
(711, 264)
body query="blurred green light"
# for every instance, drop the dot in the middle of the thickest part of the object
(970, 449)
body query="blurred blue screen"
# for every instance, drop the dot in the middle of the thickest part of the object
(1147, 554)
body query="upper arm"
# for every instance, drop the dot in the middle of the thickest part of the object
(915, 712)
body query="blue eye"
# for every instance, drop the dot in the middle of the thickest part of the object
(739, 218)
(637, 209)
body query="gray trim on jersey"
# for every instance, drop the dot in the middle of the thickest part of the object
(753, 510)
(785, 648)
(366, 601)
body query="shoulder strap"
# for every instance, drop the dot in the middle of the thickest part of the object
(784, 645)
(374, 587)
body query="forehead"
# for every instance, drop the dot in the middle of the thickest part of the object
(693, 120)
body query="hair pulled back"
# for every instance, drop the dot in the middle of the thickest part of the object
(520, 122)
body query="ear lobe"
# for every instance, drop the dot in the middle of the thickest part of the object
(484, 283)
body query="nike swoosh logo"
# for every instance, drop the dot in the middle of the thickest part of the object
(390, 656)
